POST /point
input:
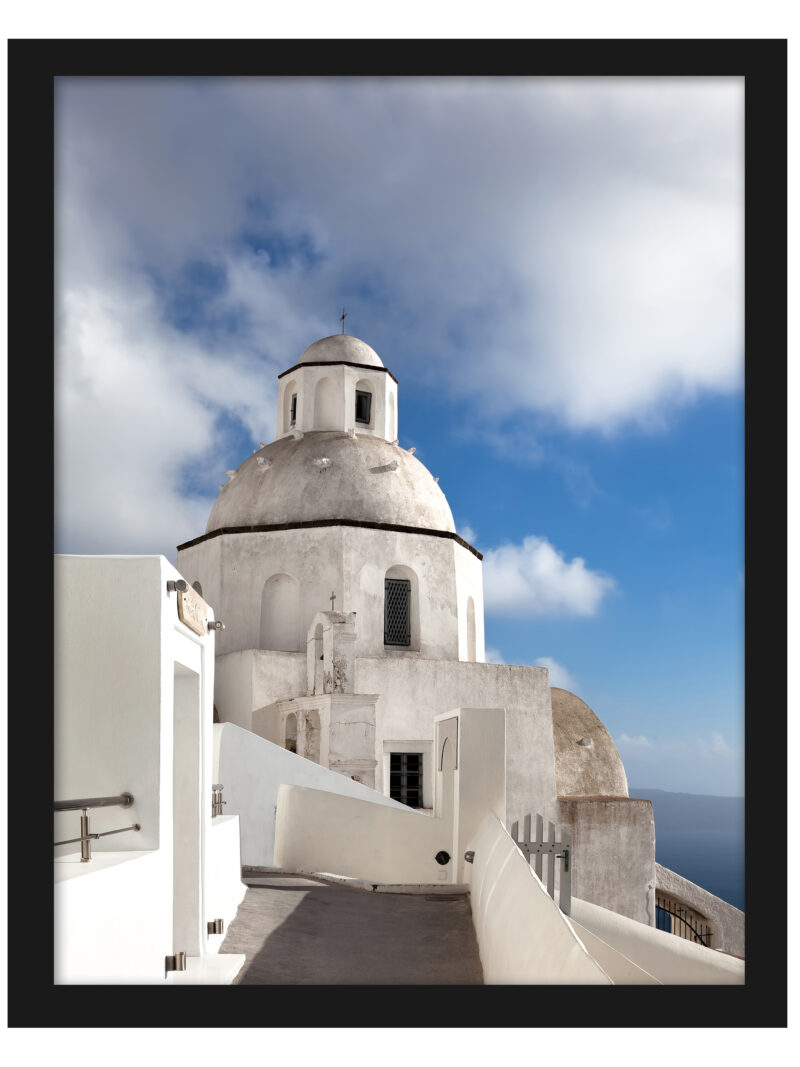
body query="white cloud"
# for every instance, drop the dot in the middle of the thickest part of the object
(534, 579)
(684, 764)
(624, 742)
(493, 655)
(466, 531)
(568, 249)
(559, 675)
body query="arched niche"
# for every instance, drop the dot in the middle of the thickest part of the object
(471, 645)
(290, 733)
(326, 406)
(313, 735)
(319, 666)
(281, 629)
(364, 405)
(401, 604)
(289, 405)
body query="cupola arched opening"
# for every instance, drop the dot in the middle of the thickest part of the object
(391, 433)
(364, 404)
(471, 645)
(281, 629)
(401, 609)
(289, 406)
(326, 407)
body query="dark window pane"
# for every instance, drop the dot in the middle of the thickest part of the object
(363, 406)
(405, 778)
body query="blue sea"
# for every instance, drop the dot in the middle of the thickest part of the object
(713, 859)
(702, 838)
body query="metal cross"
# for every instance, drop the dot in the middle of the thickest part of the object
(333, 600)
(342, 317)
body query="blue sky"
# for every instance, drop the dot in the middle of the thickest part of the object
(553, 271)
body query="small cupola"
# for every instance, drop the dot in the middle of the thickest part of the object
(339, 383)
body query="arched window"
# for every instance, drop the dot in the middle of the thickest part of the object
(326, 413)
(401, 609)
(289, 406)
(471, 655)
(290, 733)
(280, 615)
(365, 414)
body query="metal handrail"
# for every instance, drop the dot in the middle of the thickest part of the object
(123, 800)
(89, 837)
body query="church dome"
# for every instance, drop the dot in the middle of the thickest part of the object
(341, 348)
(327, 475)
(587, 761)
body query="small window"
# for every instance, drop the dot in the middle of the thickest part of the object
(293, 410)
(405, 778)
(397, 611)
(363, 406)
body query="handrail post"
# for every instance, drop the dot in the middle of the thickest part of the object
(86, 848)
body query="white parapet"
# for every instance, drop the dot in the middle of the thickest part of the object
(523, 937)
(670, 959)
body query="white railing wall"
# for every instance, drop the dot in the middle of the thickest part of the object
(523, 937)
(670, 959)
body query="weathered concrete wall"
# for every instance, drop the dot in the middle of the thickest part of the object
(414, 690)
(523, 937)
(251, 770)
(670, 959)
(727, 922)
(614, 853)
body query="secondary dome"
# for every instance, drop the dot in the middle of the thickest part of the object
(341, 348)
(365, 479)
(587, 761)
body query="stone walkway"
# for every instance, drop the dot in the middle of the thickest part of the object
(300, 931)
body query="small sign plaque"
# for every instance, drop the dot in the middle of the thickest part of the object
(193, 611)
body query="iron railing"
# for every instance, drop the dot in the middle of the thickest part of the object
(676, 918)
(123, 800)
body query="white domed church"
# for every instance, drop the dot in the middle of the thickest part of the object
(353, 616)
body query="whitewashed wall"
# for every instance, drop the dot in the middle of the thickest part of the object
(251, 769)
(133, 712)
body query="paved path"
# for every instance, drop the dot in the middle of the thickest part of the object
(299, 931)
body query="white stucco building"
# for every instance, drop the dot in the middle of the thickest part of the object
(347, 687)
(354, 616)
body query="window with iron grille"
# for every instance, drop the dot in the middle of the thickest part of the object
(293, 414)
(405, 778)
(363, 405)
(397, 612)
